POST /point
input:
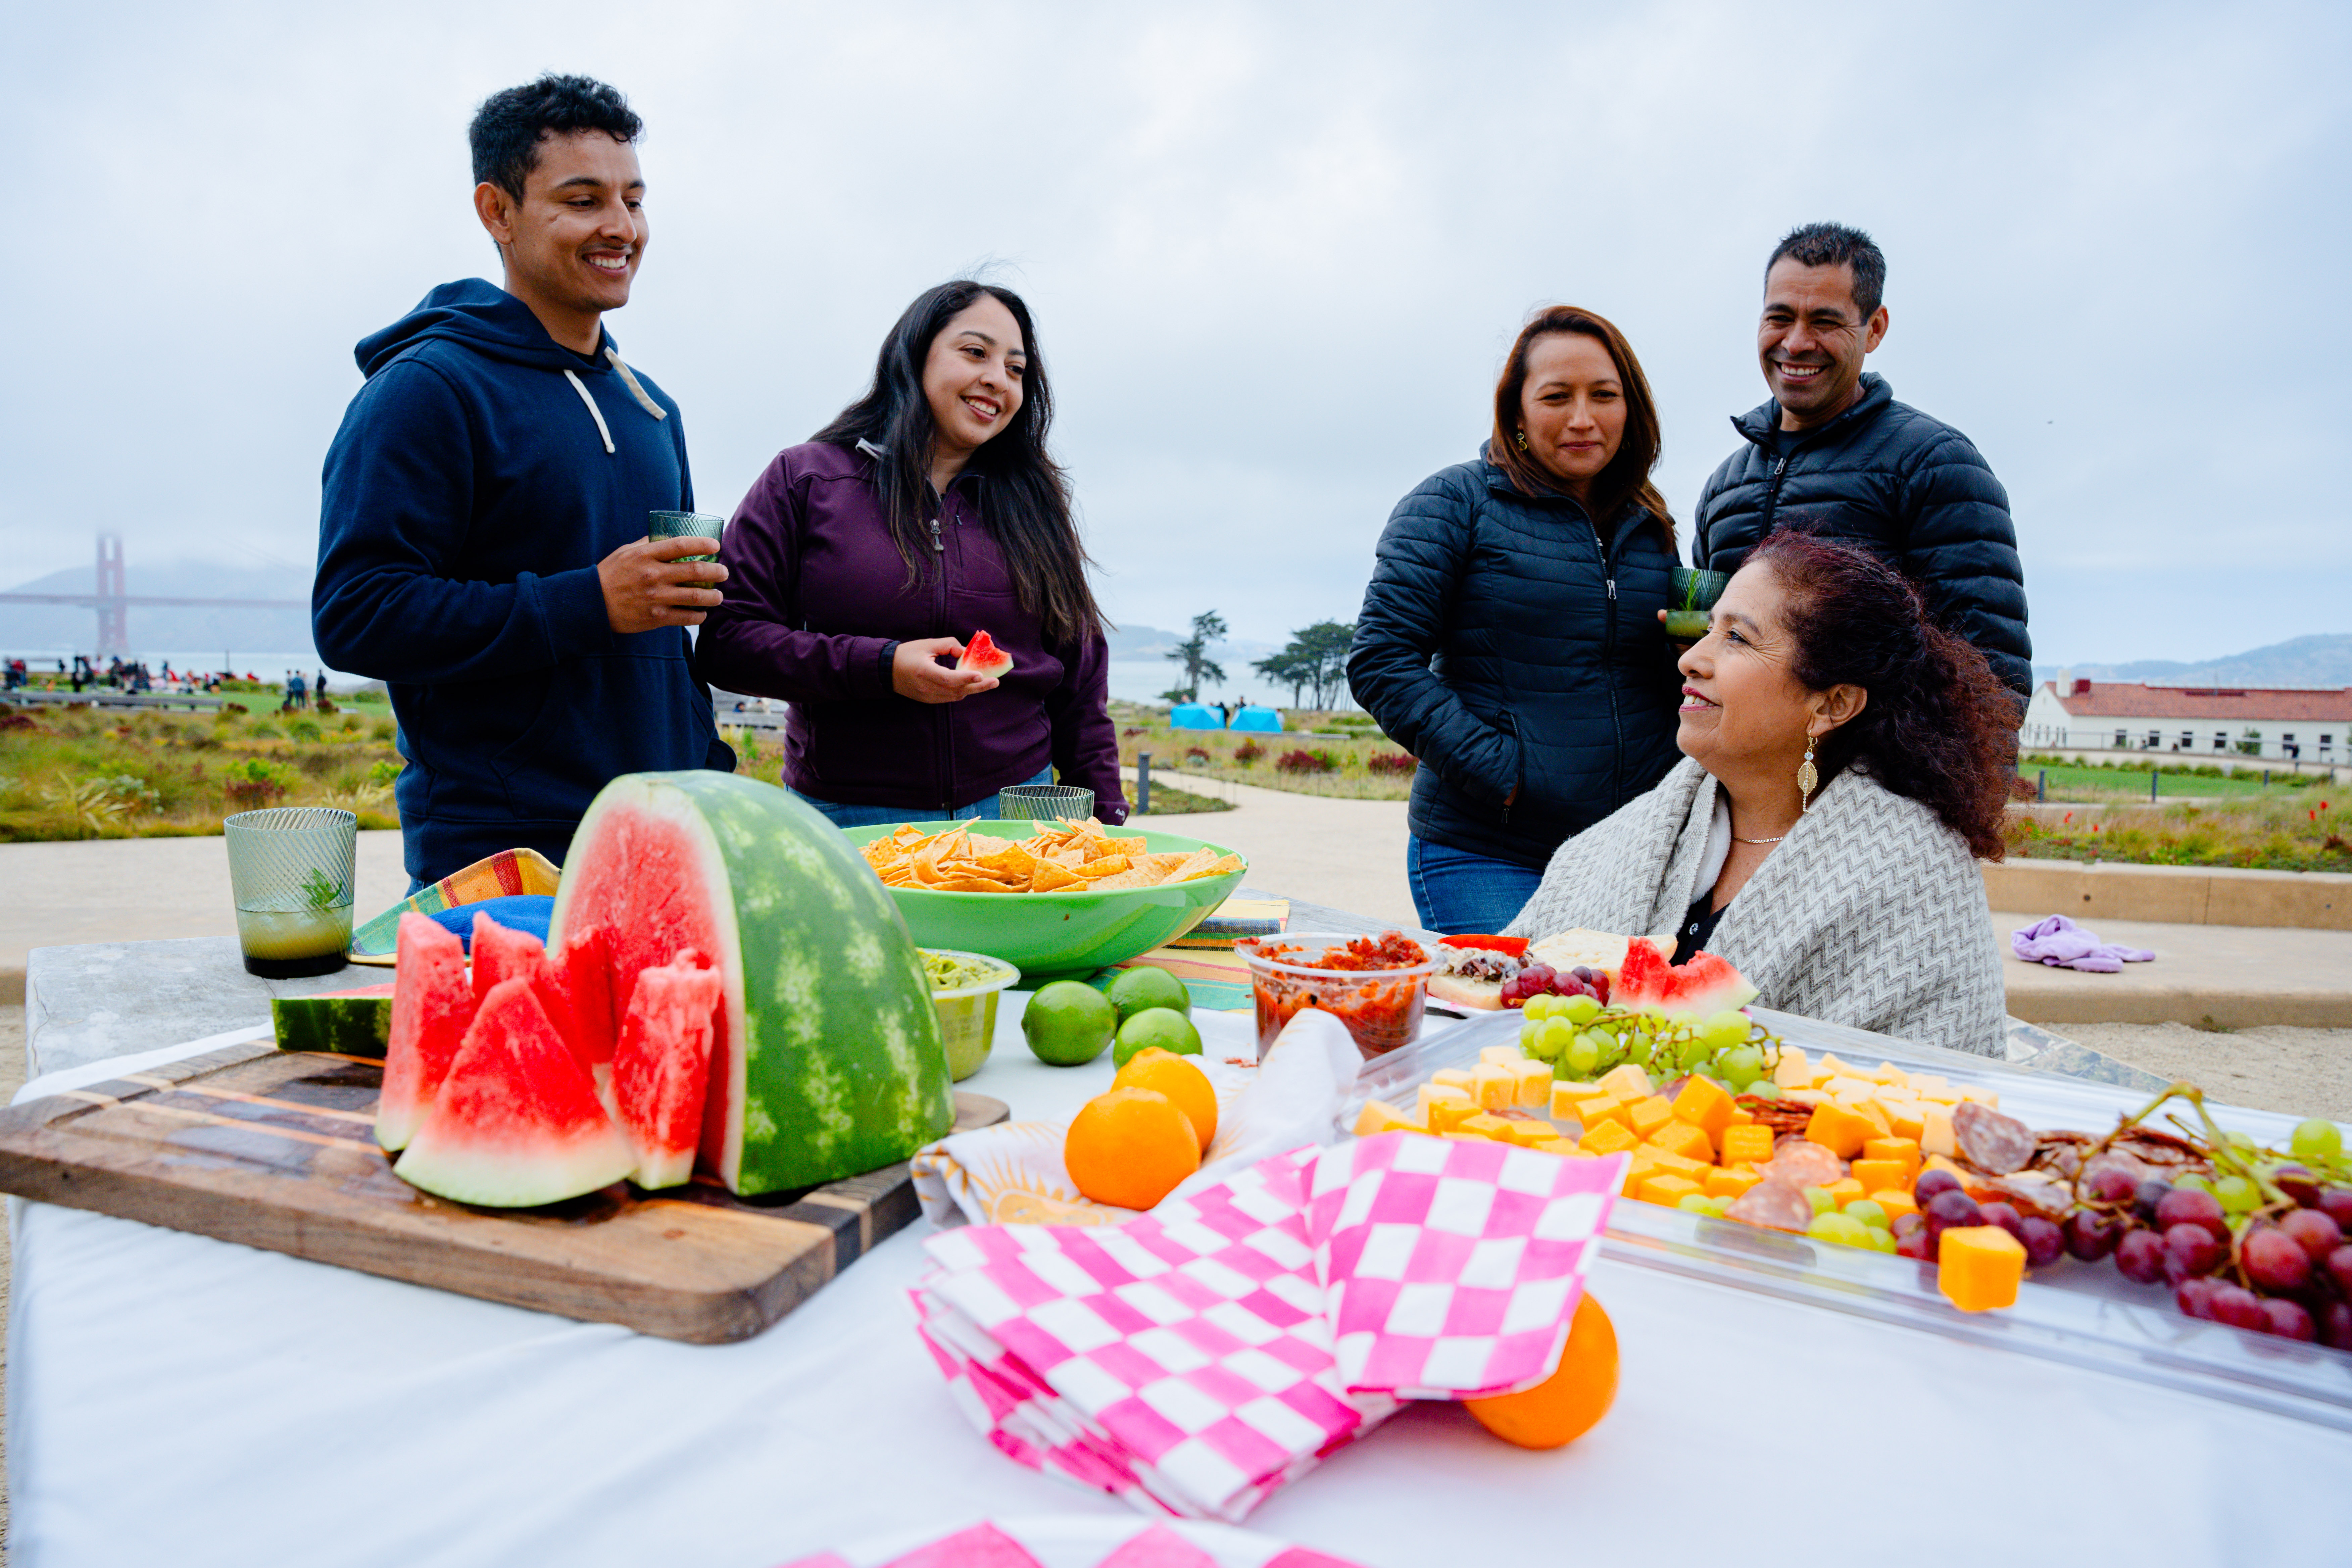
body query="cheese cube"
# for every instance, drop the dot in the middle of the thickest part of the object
(1429, 1094)
(1741, 1116)
(1989, 1098)
(1651, 1114)
(1792, 1070)
(1747, 1143)
(1887, 1072)
(1453, 1077)
(1567, 1098)
(1877, 1175)
(1804, 1096)
(1978, 1267)
(1679, 1137)
(1493, 1088)
(1907, 1121)
(1485, 1126)
(1839, 1131)
(1669, 1189)
(1627, 1082)
(1607, 1138)
(1446, 1115)
(1554, 1145)
(1528, 1131)
(1534, 1084)
(1843, 1191)
(1593, 1112)
(1868, 1110)
(1895, 1202)
(1935, 1133)
(1706, 1105)
(1723, 1184)
(1843, 1088)
(1929, 1082)
(1379, 1116)
(1828, 1067)
(1502, 1055)
(1667, 1160)
(1906, 1149)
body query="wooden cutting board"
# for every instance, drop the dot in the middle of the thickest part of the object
(277, 1150)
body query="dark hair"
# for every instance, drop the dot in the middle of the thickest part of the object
(1835, 245)
(1627, 477)
(507, 129)
(1939, 727)
(1025, 502)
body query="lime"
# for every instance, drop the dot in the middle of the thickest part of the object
(1138, 989)
(1161, 1026)
(1068, 1023)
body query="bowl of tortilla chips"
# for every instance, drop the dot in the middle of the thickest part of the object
(1055, 899)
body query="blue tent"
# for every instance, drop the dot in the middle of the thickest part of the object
(1267, 720)
(1195, 716)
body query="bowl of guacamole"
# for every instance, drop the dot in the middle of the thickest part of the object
(964, 989)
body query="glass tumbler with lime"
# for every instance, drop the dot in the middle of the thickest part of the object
(1695, 593)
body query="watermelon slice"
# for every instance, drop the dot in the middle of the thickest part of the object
(661, 1071)
(432, 1005)
(517, 1123)
(503, 954)
(825, 1055)
(353, 1023)
(1708, 983)
(575, 986)
(981, 656)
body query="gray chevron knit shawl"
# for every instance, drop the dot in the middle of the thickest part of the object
(1871, 913)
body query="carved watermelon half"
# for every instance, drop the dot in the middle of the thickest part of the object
(516, 1122)
(432, 1005)
(1708, 983)
(826, 1055)
(661, 1070)
(982, 656)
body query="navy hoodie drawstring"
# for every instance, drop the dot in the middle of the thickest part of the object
(594, 412)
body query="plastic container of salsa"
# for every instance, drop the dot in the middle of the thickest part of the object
(1374, 984)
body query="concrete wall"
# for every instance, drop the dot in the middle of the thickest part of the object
(2172, 895)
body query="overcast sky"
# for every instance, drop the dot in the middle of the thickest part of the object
(1275, 252)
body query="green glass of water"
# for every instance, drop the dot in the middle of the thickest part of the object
(685, 525)
(1045, 803)
(292, 867)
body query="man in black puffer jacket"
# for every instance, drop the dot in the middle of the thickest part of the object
(1833, 453)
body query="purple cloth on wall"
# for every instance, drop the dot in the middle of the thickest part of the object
(2062, 944)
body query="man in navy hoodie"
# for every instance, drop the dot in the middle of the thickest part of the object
(482, 544)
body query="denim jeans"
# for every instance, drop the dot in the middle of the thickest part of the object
(1459, 893)
(842, 815)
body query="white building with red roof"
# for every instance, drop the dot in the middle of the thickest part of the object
(2289, 723)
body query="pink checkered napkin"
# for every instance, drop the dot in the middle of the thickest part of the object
(1180, 1360)
(1451, 1267)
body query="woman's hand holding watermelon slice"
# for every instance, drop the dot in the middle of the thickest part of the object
(916, 672)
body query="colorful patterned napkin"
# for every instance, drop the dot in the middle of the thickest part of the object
(1010, 1545)
(1187, 1361)
(502, 875)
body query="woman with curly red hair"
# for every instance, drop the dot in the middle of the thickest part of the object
(1846, 763)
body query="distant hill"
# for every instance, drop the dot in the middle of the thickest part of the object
(161, 628)
(2324, 660)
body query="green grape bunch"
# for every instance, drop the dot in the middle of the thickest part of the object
(1580, 1039)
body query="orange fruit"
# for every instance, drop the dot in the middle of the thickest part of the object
(1180, 1081)
(1129, 1148)
(1565, 1406)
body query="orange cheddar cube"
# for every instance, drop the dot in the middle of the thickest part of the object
(1568, 1100)
(1904, 1149)
(1627, 1082)
(1741, 1116)
(1840, 1131)
(1706, 1105)
(1379, 1116)
(1448, 1115)
(1528, 1131)
(1895, 1202)
(1485, 1126)
(1649, 1115)
(1593, 1112)
(1875, 1175)
(1669, 1189)
(1555, 1144)
(1843, 1191)
(1680, 1164)
(1723, 1184)
(1978, 1267)
(1679, 1137)
(1606, 1138)
(1908, 1120)
(1752, 1144)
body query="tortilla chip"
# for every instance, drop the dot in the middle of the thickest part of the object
(1051, 878)
(965, 884)
(1216, 868)
(1136, 877)
(1106, 866)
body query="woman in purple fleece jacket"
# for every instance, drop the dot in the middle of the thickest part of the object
(927, 513)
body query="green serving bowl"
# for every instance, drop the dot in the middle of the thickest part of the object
(1054, 935)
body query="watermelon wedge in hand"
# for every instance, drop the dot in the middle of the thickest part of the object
(983, 657)
(517, 1123)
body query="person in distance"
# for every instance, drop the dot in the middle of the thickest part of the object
(482, 544)
(1509, 637)
(862, 559)
(1833, 452)
(1846, 763)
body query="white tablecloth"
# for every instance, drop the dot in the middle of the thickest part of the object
(176, 1399)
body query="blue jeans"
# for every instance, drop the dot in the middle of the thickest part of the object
(1462, 894)
(842, 815)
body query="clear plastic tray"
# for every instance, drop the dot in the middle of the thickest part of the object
(2084, 1314)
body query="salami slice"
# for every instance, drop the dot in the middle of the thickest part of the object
(1801, 1163)
(1993, 1143)
(1775, 1206)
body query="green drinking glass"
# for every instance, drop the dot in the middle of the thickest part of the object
(685, 525)
(292, 868)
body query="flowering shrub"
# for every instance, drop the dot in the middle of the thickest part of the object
(1390, 762)
(1305, 762)
(1248, 753)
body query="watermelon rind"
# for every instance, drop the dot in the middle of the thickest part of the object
(829, 1063)
(516, 1123)
(348, 1023)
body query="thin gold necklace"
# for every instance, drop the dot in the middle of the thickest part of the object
(1738, 840)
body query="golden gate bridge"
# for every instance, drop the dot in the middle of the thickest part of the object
(112, 601)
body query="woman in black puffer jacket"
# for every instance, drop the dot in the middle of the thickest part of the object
(1510, 636)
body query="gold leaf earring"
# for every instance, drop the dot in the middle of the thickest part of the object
(1808, 779)
(1522, 439)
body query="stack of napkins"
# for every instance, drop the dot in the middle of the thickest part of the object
(1195, 1359)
